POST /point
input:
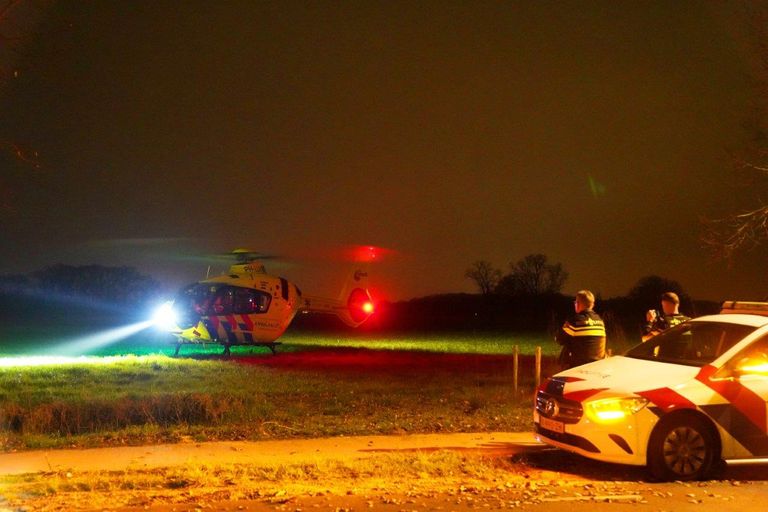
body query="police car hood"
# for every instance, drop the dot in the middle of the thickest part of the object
(624, 374)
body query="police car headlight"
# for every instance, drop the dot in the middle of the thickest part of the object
(613, 410)
(165, 317)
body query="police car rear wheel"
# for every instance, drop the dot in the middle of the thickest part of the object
(682, 448)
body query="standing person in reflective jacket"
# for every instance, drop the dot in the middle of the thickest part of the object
(583, 334)
(669, 316)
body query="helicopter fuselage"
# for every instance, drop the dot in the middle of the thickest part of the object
(247, 306)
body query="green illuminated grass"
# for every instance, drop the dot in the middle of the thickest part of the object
(47, 340)
(316, 385)
(314, 392)
(448, 344)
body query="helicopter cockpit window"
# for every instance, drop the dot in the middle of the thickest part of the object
(248, 301)
(195, 301)
(203, 299)
(223, 301)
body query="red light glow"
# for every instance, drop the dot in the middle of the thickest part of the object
(360, 305)
(367, 253)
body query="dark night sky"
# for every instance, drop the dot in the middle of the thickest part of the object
(445, 131)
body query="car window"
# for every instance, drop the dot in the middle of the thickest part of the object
(691, 343)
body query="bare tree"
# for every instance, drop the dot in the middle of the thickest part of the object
(749, 226)
(484, 275)
(17, 21)
(648, 290)
(723, 237)
(532, 275)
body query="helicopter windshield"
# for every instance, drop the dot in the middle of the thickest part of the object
(691, 343)
(212, 299)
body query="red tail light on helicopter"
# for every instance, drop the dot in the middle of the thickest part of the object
(360, 305)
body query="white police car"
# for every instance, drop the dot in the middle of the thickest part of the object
(680, 403)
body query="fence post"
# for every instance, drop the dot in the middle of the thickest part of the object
(515, 367)
(538, 367)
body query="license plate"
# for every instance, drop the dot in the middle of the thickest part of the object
(554, 426)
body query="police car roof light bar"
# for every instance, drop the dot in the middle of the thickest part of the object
(745, 307)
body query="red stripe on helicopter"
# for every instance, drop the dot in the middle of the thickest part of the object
(232, 322)
(667, 400)
(749, 403)
(247, 322)
(212, 324)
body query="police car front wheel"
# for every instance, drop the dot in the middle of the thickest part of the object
(681, 448)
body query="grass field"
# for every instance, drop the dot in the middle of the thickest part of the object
(314, 386)
(463, 343)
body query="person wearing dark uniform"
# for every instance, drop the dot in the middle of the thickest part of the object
(583, 334)
(656, 322)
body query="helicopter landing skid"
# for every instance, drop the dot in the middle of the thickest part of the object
(271, 345)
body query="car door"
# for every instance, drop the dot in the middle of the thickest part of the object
(743, 381)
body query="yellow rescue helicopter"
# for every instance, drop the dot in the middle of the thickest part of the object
(247, 306)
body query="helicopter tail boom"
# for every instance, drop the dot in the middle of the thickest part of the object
(354, 304)
(353, 311)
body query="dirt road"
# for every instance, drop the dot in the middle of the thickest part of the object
(528, 476)
(499, 444)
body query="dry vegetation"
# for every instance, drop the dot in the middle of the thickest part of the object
(149, 399)
(384, 480)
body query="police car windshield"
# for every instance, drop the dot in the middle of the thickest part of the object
(691, 343)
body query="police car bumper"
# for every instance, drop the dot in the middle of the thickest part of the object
(621, 441)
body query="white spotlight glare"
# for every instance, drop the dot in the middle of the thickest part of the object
(165, 317)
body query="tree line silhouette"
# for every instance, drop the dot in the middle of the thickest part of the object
(66, 290)
(527, 299)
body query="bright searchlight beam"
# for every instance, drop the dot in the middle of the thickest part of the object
(27, 361)
(83, 344)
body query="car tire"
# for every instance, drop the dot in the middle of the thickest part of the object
(682, 448)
